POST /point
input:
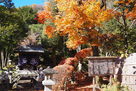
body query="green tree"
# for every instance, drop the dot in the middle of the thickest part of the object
(55, 49)
(27, 14)
(36, 31)
(121, 30)
(12, 30)
(7, 3)
(114, 38)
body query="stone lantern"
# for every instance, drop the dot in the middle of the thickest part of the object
(48, 81)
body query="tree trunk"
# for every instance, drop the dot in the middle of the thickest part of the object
(0, 62)
(4, 55)
(95, 50)
(6, 58)
(103, 4)
(2, 59)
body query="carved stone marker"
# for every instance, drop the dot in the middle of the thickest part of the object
(129, 72)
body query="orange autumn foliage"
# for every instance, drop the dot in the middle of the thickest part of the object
(130, 11)
(78, 56)
(42, 16)
(49, 31)
(84, 53)
(77, 21)
(132, 15)
(69, 61)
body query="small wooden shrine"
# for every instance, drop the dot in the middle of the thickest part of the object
(29, 56)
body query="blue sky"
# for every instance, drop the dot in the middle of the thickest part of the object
(20, 3)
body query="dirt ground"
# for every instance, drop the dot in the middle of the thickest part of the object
(82, 86)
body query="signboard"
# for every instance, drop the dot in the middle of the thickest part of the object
(101, 65)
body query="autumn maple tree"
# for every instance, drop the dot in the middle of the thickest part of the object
(76, 20)
(80, 20)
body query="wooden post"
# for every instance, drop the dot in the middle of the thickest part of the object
(110, 81)
(94, 83)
